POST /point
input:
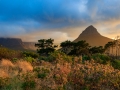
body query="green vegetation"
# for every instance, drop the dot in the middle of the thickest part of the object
(45, 46)
(75, 66)
(9, 54)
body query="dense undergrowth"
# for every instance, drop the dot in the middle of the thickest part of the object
(58, 71)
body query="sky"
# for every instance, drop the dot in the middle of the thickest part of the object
(60, 20)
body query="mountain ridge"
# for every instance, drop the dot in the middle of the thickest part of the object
(93, 37)
(90, 35)
(17, 44)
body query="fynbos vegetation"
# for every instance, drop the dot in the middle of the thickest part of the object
(75, 66)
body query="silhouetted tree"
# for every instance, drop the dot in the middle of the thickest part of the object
(80, 48)
(95, 49)
(45, 46)
(66, 46)
(107, 47)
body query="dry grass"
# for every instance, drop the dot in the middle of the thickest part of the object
(24, 66)
(6, 64)
(9, 69)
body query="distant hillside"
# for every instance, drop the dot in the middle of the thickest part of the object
(29, 45)
(93, 37)
(12, 43)
(17, 44)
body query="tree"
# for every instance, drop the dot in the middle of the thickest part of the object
(108, 47)
(95, 49)
(80, 48)
(45, 46)
(66, 46)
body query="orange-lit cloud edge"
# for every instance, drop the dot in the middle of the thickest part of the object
(108, 28)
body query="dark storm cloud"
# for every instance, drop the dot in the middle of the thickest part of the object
(57, 11)
(43, 11)
(23, 16)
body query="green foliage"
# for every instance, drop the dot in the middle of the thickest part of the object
(47, 58)
(29, 82)
(95, 49)
(45, 46)
(30, 54)
(75, 48)
(56, 55)
(116, 64)
(86, 57)
(14, 84)
(14, 60)
(29, 59)
(66, 46)
(41, 72)
(41, 75)
(101, 58)
(3, 82)
(9, 54)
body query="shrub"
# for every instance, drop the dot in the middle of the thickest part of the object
(57, 55)
(61, 56)
(94, 76)
(29, 59)
(3, 82)
(86, 57)
(101, 58)
(116, 64)
(41, 75)
(9, 54)
(30, 54)
(28, 82)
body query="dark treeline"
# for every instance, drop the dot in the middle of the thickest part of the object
(45, 46)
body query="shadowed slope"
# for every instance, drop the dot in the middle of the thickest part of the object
(93, 37)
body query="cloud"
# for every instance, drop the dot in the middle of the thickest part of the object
(66, 18)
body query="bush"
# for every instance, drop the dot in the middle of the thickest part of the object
(9, 54)
(28, 82)
(101, 58)
(30, 54)
(85, 57)
(116, 64)
(28, 85)
(3, 82)
(29, 59)
(56, 55)
(41, 75)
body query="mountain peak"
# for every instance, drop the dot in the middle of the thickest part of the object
(91, 26)
(92, 36)
(90, 30)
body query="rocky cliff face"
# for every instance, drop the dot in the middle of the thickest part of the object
(93, 37)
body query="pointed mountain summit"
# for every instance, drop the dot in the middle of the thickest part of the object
(90, 31)
(93, 37)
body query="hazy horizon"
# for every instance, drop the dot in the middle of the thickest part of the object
(61, 20)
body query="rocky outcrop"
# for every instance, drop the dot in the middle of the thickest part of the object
(93, 37)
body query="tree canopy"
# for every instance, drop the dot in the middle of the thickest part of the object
(45, 46)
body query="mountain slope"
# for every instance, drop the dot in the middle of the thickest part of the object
(93, 37)
(12, 43)
(29, 45)
(17, 44)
